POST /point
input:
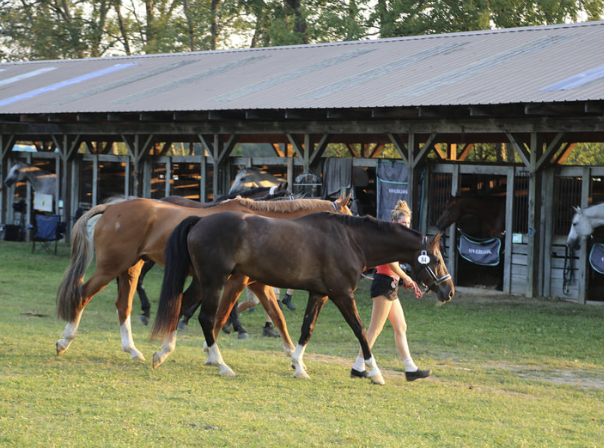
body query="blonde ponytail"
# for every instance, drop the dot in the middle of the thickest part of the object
(401, 209)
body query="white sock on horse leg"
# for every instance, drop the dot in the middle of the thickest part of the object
(410, 365)
(359, 364)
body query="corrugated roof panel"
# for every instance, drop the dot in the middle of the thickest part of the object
(521, 65)
(62, 84)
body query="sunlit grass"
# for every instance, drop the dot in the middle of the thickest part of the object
(508, 372)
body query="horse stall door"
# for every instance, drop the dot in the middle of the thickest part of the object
(472, 270)
(595, 249)
(562, 267)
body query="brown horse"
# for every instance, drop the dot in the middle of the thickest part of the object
(489, 208)
(322, 253)
(258, 194)
(129, 232)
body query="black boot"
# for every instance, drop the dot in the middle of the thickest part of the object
(269, 332)
(287, 301)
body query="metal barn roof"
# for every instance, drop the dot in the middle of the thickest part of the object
(562, 63)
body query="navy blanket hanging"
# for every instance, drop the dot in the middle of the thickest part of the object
(482, 252)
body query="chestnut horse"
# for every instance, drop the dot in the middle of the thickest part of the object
(327, 259)
(489, 208)
(258, 194)
(129, 232)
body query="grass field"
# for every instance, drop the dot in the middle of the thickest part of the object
(508, 372)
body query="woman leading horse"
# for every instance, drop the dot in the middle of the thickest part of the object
(327, 260)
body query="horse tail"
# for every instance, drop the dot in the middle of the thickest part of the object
(176, 270)
(69, 293)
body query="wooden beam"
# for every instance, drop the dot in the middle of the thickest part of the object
(319, 150)
(400, 147)
(519, 147)
(465, 152)
(353, 151)
(551, 149)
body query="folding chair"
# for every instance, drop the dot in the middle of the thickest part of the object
(48, 229)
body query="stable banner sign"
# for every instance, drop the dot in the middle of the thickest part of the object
(485, 253)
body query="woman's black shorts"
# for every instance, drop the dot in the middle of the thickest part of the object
(384, 285)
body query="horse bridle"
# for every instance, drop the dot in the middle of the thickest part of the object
(424, 259)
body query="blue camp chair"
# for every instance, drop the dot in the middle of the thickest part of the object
(48, 229)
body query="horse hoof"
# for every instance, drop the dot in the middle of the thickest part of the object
(182, 326)
(156, 360)
(243, 335)
(377, 379)
(144, 319)
(137, 356)
(302, 375)
(60, 349)
(227, 372)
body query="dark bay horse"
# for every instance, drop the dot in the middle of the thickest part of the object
(327, 259)
(258, 194)
(489, 208)
(128, 233)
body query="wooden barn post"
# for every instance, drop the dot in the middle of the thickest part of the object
(6, 146)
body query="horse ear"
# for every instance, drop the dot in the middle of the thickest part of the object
(436, 239)
(344, 200)
(577, 209)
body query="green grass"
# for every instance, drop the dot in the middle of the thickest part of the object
(508, 372)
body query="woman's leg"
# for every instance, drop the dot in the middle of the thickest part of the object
(379, 313)
(399, 324)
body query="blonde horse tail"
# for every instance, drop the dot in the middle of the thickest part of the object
(176, 270)
(69, 293)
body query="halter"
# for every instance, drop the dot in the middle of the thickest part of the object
(424, 259)
(335, 206)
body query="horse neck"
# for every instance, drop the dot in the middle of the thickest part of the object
(488, 209)
(386, 247)
(595, 214)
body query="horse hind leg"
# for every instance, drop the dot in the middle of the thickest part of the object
(87, 291)
(142, 294)
(127, 287)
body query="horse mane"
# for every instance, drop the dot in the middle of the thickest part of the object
(281, 206)
(361, 221)
(594, 211)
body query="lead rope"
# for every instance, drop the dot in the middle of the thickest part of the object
(569, 271)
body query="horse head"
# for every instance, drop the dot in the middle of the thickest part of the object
(580, 228)
(341, 204)
(431, 270)
(450, 214)
(13, 174)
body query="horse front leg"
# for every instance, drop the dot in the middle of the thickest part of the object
(348, 307)
(127, 288)
(207, 314)
(266, 295)
(313, 308)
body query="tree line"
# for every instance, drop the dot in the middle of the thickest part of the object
(67, 29)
